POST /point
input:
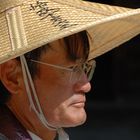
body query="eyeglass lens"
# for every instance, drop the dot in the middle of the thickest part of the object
(85, 68)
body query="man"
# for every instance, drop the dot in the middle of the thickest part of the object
(43, 90)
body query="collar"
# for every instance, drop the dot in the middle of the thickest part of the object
(34, 136)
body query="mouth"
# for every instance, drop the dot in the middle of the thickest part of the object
(80, 104)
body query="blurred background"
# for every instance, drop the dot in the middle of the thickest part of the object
(113, 105)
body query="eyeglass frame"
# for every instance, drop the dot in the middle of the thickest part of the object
(71, 68)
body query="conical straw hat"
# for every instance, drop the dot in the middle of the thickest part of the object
(28, 24)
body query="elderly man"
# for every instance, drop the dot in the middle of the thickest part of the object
(47, 51)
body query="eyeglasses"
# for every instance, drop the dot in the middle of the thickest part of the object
(77, 70)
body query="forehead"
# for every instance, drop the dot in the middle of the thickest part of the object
(56, 51)
(58, 46)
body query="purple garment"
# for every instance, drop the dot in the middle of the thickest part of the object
(10, 127)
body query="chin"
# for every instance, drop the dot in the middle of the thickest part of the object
(75, 120)
(69, 118)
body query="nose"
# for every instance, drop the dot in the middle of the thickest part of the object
(82, 86)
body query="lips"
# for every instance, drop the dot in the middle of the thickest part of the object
(79, 102)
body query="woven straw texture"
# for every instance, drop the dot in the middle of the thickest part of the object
(26, 25)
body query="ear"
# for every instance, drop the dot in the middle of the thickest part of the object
(11, 76)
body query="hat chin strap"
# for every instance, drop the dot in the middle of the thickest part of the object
(62, 135)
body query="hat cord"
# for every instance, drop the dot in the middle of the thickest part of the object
(62, 135)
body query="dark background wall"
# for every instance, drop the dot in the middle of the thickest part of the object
(117, 76)
(113, 105)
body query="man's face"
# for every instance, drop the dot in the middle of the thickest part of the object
(62, 98)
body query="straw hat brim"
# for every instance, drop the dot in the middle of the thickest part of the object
(29, 24)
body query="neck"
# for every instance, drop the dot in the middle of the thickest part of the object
(44, 134)
(31, 122)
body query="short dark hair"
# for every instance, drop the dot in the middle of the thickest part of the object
(73, 43)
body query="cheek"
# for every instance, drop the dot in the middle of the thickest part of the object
(55, 95)
(58, 111)
(53, 85)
